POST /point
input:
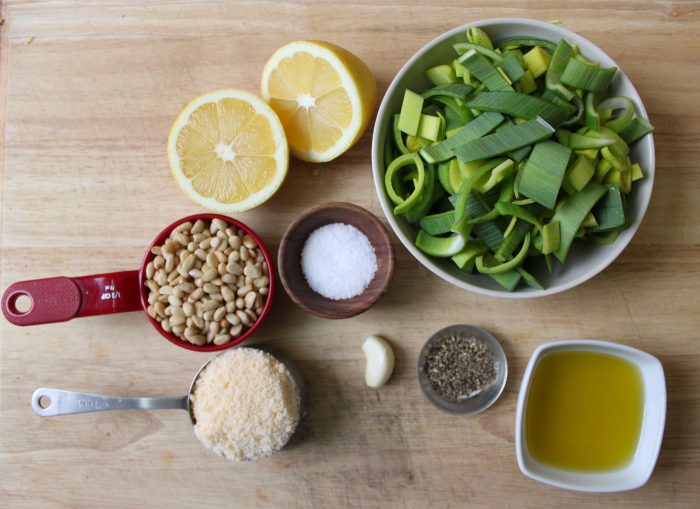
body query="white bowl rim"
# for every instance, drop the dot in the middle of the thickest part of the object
(613, 251)
(585, 344)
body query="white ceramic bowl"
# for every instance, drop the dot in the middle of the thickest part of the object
(585, 259)
(639, 469)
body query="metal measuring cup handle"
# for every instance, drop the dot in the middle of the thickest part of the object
(53, 402)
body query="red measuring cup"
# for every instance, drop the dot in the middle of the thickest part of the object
(58, 299)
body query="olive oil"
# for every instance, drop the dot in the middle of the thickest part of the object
(584, 411)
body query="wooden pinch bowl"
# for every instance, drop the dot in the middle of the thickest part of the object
(289, 259)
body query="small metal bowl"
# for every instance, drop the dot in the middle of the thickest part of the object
(484, 398)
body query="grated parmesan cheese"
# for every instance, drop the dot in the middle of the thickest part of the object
(246, 405)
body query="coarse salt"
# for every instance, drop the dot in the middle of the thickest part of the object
(338, 261)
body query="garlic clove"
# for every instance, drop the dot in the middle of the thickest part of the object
(379, 361)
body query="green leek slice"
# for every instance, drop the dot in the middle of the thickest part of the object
(398, 137)
(444, 177)
(430, 193)
(456, 90)
(518, 41)
(529, 279)
(411, 108)
(560, 57)
(397, 164)
(519, 105)
(537, 61)
(476, 35)
(478, 127)
(622, 110)
(508, 280)
(429, 127)
(444, 247)
(441, 75)
(468, 254)
(512, 66)
(484, 71)
(437, 224)
(527, 83)
(462, 48)
(610, 211)
(510, 209)
(550, 237)
(501, 142)
(483, 267)
(542, 177)
(637, 128)
(468, 184)
(578, 175)
(587, 75)
(573, 212)
(592, 115)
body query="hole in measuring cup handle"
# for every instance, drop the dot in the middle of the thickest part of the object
(20, 303)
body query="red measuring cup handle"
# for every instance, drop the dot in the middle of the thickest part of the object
(57, 299)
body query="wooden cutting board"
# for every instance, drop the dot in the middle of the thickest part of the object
(88, 92)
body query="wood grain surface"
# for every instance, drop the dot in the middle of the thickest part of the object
(86, 108)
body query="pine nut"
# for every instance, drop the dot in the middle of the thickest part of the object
(217, 224)
(233, 319)
(156, 250)
(174, 301)
(176, 311)
(240, 303)
(219, 313)
(198, 226)
(214, 327)
(234, 241)
(252, 271)
(209, 305)
(150, 270)
(250, 300)
(243, 251)
(244, 290)
(198, 321)
(236, 330)
(209, 274)
(151, 311)
(152, 298)
(188, 308)
(249, 242)
(198, 340)
(177, 320)
(178, 329)
(165, 324)
(197, 294)
(263, 290)
(230, 307)
(244, 318)
(261, 282)
(252, 316)
(222, 339)
(227, 294)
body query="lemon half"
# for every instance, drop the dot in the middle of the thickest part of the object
(323, 94)
(227, 151)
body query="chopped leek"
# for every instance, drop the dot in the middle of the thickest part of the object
(542, 177)
(518, 105)
(498, 170)
(587, 76)
(409, 118)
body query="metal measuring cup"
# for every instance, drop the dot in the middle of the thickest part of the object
(54, 402)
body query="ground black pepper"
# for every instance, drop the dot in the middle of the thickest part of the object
(457, 366)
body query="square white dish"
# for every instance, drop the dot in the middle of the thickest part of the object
(635, 473)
